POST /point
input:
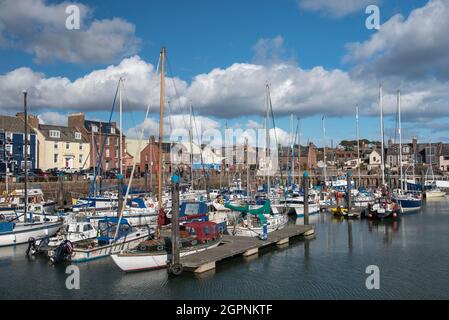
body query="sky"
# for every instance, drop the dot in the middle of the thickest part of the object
(318, 56)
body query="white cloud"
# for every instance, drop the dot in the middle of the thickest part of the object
(53, 118)
(412, 47)
(39, 28)
(336, 8)
(92, 92)
(270, 51)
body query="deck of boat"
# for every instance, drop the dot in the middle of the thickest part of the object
(233, 246)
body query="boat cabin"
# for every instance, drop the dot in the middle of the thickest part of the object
(203, 231)
(193, 211)
(107, 228)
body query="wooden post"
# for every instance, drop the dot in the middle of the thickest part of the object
(349, 196)
(175, 266)
(306, 197)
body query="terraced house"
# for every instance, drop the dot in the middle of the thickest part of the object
(60, 147)
(12, 139)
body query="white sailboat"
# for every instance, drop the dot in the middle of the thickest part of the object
(13, 232)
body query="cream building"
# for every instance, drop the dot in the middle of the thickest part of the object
(62, 148)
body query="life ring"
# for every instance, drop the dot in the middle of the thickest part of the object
(160, 248)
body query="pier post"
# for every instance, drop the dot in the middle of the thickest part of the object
(306, 197)
(175, 266)
(349, 196)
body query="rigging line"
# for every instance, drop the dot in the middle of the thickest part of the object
(178, 97)
(142, 132)
(275, 134)
(92, 187)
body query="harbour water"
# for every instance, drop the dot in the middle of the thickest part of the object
(412, 255)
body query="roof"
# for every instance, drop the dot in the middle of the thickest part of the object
(66, 134)
(14, 124)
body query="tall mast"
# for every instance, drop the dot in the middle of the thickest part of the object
(25, 153)
(325, 158)
(191, 147)
(400, 138)
(161, 127)
(121, 136)
(382, 165)
(267, 132)
(292, 149)
(358, 140)
(299, 153)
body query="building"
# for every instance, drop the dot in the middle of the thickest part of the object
(374, 159)
(149, 157)
(104, 140)
(62, 148)
(12, 141)
(444, 158)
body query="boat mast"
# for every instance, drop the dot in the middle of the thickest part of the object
(299, 153)
(267, 133)
(191, 147)
(121, 136)
(292, 142)
(325, 158)
(358, 140)
(400, 139)
(25, 152)
(382, 165)
(161, 127)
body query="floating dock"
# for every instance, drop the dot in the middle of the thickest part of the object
(247, 246)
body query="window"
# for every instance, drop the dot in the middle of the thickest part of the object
(81, 146)
(55, 134)
(116, 153)
(81, 159)
(67, 146)
(94, 128)
(56, 145)
(107, 153)
(55, 158)
(107, 141)
(146, 158)
(116, 142)
(406, 149)
(112, 130)
(77, 136)
(107, 165)
(446, 158)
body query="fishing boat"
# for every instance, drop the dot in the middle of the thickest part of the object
(434, 192)
(12, 233)
(154, 254)
(114, 235)
(294, 204)
(15, 201)
(382, 208)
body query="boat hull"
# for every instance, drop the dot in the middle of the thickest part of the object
(143, 262)
(85, 255)
(22, 233)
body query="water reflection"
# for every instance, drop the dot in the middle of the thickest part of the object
(389, 229)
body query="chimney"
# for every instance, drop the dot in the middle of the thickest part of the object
(33, 121)
(75, 120)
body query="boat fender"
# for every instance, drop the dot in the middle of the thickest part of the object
(31, 246)
(176, 269)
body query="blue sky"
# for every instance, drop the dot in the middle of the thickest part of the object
(203, 35)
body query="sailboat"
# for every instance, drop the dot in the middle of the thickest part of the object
(407, 200)
(13, 232)
(195, 236)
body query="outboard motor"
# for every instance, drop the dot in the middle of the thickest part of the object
(62, 252)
